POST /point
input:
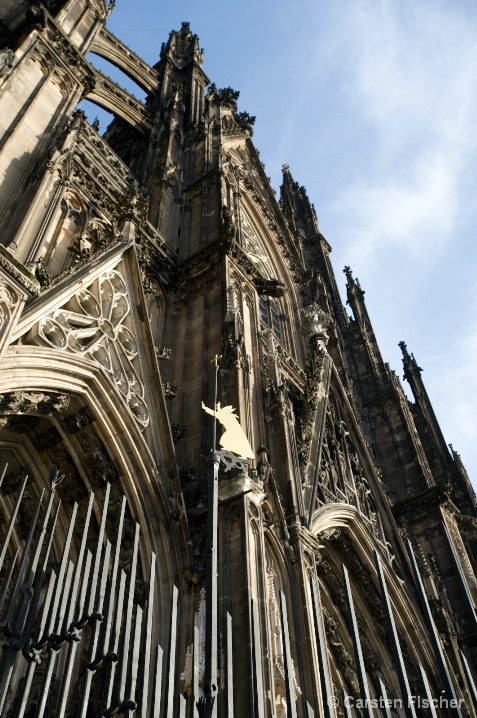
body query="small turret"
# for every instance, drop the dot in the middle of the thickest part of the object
(374, 373)
(426, 422)
(173, 158)
(355, 297)
(445, 465)
(302, 220)
(182, 47)
(297, 208)
(412, 372)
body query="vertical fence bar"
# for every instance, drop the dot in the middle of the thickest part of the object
(158, 683)
(169, 708)
(230, 669)
(130, 702)
(119, 698)
(73, 643)
(322, 649)
(428, 691)
(95, 628)
(12, 524)
(257, 663)
(470, 679)
(148, 640)
(288, 663)
(363, 680)
(396, 646)
(441, 659)
(112, 656)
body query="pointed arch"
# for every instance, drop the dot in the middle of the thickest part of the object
(42, 371)
(345, 540)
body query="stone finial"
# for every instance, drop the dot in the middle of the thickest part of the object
(403, 347)
(315, 322)
(407, 357)
(226, 94)
(349, 274)
(409, 361)
(352, 285)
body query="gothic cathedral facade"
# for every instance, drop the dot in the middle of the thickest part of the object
(148, 273)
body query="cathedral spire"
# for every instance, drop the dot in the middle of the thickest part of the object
(412, 374)
(363, 326)
(302, 220)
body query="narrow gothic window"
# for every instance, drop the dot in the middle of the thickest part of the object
(275, 319)
(264, 311)
(270, 315)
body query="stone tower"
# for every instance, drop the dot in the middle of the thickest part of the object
(332, 574)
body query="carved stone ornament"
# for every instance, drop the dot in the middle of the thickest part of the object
(315, 321)
(306, 422)
(18, 273)
(178, 431)
(169, 389)
(234, 311)
(342, 655)
(163, 352)
(93, 325)
(8, 300)
(232, 461)
(7, 58)
(33, 402)
(255, 249)
(228, 224)
(135, 203)
(42, 273)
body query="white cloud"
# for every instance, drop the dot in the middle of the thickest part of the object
(411, 77)
(411, 215)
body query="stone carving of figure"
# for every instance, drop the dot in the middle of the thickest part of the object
(228, 225)
(42, 273)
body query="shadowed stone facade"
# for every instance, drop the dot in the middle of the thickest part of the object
(345, 549)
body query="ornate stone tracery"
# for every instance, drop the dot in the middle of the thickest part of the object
(255, 249)
(27, 402)
(342, 478)
(93, 324)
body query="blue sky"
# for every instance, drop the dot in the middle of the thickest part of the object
(373, 104)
